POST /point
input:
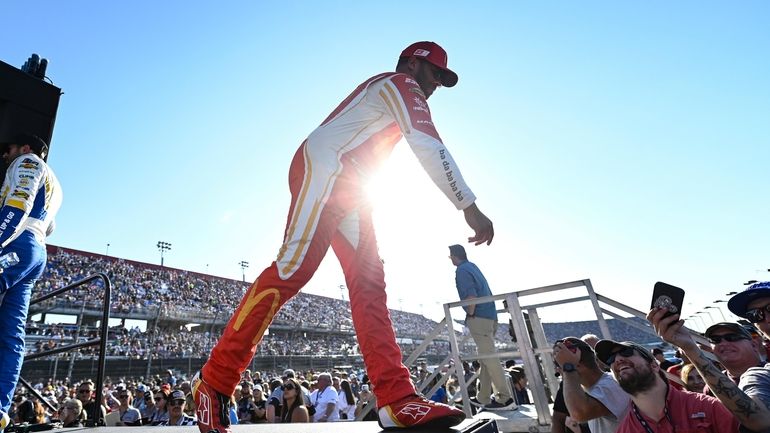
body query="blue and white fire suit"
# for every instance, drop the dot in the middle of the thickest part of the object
(29, 199)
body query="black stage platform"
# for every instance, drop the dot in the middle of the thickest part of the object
(522, 420)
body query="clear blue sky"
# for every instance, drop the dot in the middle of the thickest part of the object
(623, 142)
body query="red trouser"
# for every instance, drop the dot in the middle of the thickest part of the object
(327, 208)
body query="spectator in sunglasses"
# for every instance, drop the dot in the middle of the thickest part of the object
(293, 409)
(749, 400)
(591, 395)
(753, 304)
(734, 348)
(129, 415)
(656, 406)
(176, 415)
(86, 396)
(161, 408)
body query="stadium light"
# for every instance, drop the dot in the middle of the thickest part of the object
(693, 317)
(108, 250)
(750, 282)
(342, 292)
(710, 316)
(244, 265)
(718, 309)
(163, 247)
(731, 293)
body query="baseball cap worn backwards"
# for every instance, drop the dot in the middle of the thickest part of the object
(435, 55)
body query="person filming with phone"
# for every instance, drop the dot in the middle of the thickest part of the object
(749, 400)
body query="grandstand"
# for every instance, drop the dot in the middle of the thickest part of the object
(183, 313)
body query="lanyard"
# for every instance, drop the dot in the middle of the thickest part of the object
(645, 424)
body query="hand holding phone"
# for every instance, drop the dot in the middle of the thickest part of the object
(667, 297)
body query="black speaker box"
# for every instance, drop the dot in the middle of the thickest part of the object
(27, 104)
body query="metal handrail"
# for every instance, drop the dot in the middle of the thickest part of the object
(95, 417)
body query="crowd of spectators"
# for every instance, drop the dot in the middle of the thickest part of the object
(173, 294)
(166, 294)
(152, 401)
(183, 343)
(143, 290)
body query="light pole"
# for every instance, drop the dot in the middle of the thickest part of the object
(342, 292)
(691, 319)
(710, 316)
(721, 301)
(108, 250)
(711, 307)
(244, 265)
(694, 316)
(163, 247)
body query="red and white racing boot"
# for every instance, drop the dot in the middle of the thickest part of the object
(414, 411)
(211, 407)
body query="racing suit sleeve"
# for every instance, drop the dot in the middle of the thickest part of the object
(407, 104)
(22, 181)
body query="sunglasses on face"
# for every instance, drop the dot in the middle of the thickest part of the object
(288, 387)
(732, 338)
(626, 352)
(756, 315)
(84, 391)
(176, 403)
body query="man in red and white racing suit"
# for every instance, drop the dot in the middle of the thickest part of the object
(329, 207)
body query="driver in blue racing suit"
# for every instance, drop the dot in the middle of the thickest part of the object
(29, 199)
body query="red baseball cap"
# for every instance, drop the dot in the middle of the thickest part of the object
(434, 54)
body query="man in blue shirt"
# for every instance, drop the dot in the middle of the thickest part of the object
(481, 320)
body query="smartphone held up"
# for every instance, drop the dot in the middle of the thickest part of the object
(668, 297)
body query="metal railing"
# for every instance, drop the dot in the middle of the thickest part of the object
(533, 347)
(95, 417)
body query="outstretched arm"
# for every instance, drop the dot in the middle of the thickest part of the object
(751, 411)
